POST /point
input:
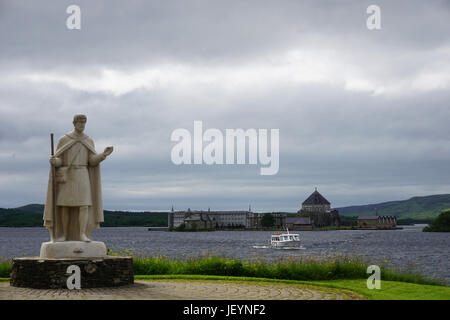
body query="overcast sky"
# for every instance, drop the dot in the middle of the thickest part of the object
(363, 115)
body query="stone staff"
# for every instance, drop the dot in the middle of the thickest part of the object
(53, 187)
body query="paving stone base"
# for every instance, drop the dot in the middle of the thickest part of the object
(184, 290)
(38, 273)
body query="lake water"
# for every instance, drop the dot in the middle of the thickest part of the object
(426, 252)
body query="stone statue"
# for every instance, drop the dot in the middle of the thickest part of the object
(78, 199)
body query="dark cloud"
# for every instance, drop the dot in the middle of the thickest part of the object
(362, 114)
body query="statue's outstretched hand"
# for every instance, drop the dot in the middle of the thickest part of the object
(108, 150)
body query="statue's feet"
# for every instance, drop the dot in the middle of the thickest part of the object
(60, 239)
(84, 238)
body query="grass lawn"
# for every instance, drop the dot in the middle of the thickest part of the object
(390, 290)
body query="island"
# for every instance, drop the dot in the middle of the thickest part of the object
(440, 224)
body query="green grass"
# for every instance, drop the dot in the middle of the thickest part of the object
(5, 268)
(291, 268)
(390, 290)
(303, 269)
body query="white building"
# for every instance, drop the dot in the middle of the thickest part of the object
(221, 219)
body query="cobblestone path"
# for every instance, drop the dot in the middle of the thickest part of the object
(184, 289)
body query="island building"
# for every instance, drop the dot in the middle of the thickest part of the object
(296, 223)
(377, 222)
(220, 219)
(315, 212)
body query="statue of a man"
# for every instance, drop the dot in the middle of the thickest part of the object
(79, 208)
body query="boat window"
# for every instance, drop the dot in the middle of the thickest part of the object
(291, 238)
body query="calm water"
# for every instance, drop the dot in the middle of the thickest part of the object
(427, 252)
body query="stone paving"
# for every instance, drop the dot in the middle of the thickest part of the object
(183, 290)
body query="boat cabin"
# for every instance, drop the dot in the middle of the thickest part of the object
(285, 237)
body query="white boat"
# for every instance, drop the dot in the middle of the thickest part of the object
(285, 240)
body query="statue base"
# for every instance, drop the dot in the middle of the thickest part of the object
(73, 249)
(38, 273)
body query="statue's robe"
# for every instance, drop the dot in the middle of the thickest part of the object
(82, 188)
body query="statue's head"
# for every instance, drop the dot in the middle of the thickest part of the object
(79, 122)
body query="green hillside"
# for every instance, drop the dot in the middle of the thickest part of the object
(20, 218)
(31, 216)
(415, 208)
(34, 207)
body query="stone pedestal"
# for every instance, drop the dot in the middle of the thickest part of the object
(108, 271)
(73, 249)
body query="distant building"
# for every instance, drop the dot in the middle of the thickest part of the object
(199, 220)
(221, 219)
(295, 223)
(315, 203)
(255, 220)
(318, 209)
(315, 212)
(377, 222)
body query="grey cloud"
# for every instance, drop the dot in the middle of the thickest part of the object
(146, 32)
(357, 147)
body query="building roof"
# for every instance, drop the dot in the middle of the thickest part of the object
(298, 221)
(315, 199)
(213, 212)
